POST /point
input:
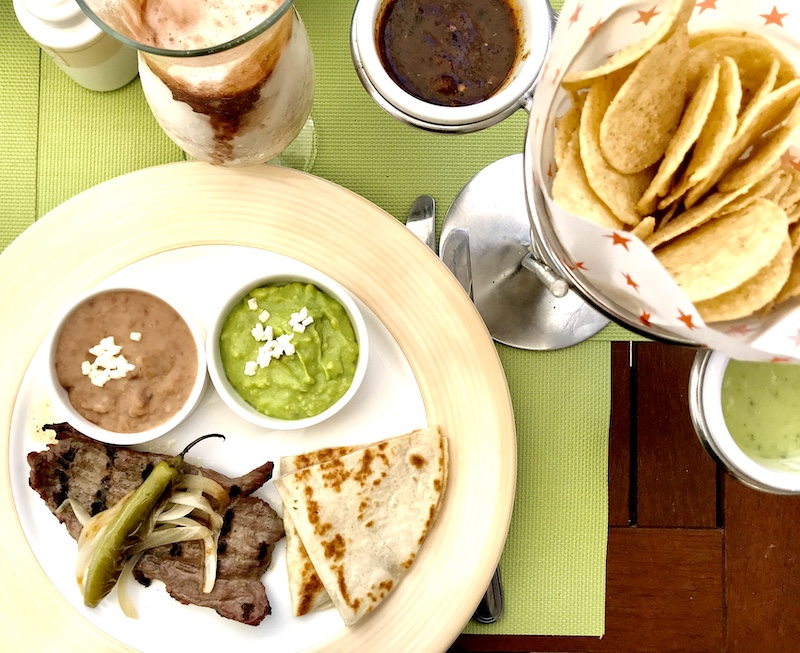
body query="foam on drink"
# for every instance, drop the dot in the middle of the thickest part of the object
(240, 106)
(179, 25)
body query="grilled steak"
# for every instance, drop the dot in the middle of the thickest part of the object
(97, 476)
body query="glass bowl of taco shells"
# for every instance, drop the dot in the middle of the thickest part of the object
(661, 173)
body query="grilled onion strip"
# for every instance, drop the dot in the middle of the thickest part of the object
(185, 516)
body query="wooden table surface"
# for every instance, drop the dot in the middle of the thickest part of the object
(697, 562)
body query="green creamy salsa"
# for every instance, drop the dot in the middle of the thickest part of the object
(316, 368)
(761, 406)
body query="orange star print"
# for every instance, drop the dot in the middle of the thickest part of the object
(595, 27)
(646, 16)
(578, 265)
(741, 330)
(616, 239)
(707, 4)
(774, 17)
(629, 281)
(575, 16)
(686, 318)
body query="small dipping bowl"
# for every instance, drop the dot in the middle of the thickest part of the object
(83, 424)
(231, 396)
(773, 474)
(535, 30)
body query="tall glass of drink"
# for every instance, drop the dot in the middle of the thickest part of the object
(230, 81)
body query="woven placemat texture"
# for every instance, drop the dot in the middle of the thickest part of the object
(553, 564)
(87, 137)
(19, 106)
(60, 139)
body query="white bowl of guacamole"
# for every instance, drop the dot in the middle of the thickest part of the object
(747, 416)
(287, 352)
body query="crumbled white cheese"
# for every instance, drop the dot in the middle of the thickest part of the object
(300, 320)
(108, 364)
(252, 303)
(135, 336)
(106, 347)
(284, 346)
(274, 348)
(261, 333)
(264, 356)
(280, 346)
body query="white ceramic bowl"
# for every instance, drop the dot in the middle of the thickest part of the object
(705, 405)
(229, 394)
(536, 32)
(61, 400)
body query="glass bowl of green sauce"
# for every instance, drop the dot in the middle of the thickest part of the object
(747, 416)
(287, 352)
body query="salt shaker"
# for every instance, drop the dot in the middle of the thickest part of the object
(92, 58)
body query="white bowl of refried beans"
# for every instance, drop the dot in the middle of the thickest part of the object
(125, 365)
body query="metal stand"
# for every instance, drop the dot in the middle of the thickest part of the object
(521, 301)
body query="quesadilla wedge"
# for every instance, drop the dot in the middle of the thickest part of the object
(362, 517)
(305, 587)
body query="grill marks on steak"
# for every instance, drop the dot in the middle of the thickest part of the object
(97, 476)
(244, 551)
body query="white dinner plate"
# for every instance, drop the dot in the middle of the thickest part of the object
(197, 232)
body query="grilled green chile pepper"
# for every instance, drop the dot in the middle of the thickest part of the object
(131, 525)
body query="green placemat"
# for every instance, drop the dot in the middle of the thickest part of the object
(87, 137)
(553, 564)
(59, 139)
(19, 106)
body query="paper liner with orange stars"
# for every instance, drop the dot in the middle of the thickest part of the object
(611, 262)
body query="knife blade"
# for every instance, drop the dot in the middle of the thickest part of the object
(455, 255)
(422, 220)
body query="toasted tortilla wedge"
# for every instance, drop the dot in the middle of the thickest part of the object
(306, 589)
(363, 516)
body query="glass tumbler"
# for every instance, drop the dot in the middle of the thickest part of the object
(231, 83)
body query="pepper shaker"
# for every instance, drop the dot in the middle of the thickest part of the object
(92, 58)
